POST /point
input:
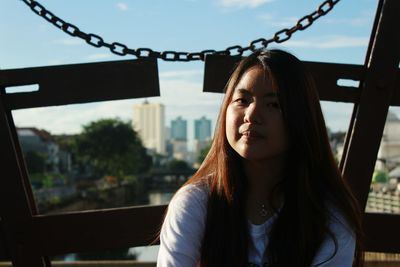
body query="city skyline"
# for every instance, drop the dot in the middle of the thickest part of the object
(148, 120)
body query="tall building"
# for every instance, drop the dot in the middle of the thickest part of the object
(179, 138)
(202, 134)
(202, 129)
(149, 122)
(179, 129)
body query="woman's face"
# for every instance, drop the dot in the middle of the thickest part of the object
(254, 124)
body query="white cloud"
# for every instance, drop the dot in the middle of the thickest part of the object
(328, 42)
(190, 94)
(364, 18)
(180, 74)
(278, 21)
(122, 6)
(337, 115)
(356, 22)
(99, 56)
(242, 3)
(285, 22)
(55, 62)
(71, 118)
(69, 41)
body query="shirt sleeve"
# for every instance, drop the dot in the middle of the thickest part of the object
(183, 228)
(346, 243)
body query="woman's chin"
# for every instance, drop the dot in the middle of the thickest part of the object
(253, 156)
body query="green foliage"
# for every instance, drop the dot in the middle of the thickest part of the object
(380, 177)
(337, 136)
(178, 165)
(35, 162)
(48, 180)
(131, 179)
(36, 180)
(111, 147)
(203, 153)
(55, 200)
(45, 180)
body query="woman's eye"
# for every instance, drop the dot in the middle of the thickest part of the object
(241, 101)
(273, 105)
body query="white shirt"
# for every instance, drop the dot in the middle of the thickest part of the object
(183, 229)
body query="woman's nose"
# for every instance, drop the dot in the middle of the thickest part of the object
(252, 114)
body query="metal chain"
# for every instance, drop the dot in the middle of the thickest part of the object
(236, 50)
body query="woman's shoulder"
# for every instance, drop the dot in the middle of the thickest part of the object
(183, 227)
(190, 200)
(339, 245)
(338, 223)
(195, 192)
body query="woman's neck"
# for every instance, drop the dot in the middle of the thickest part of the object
(262, 177)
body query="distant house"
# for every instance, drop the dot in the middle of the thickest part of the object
(40, 141)
(389, 150)
(65, 154)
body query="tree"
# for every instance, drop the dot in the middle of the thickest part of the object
(337, 137)
(111, 147)
(379, 177)
(203, 153)
(35, 162)
(178, 165)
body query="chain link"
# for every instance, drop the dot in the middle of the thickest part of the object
(236, 50)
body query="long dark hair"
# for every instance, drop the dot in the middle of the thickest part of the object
(311, 186)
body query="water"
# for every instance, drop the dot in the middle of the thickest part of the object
(146, 253)
(149, 253)
(70, 257)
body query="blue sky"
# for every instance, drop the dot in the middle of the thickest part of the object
(184, 25)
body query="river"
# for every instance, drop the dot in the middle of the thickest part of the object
(147, 253)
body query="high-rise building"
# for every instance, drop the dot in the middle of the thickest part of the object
(179, 138)
(202, 134)
(149, 122)
(202, 129)
(179, 129)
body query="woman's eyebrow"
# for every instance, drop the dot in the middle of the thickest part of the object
(243, 91)
(271, 95)
(247, 92)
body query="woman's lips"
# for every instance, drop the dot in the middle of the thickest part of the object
(251, 135)
(249, 132)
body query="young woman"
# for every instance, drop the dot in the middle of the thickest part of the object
(269, 192)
